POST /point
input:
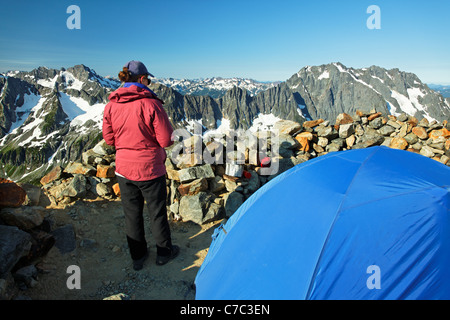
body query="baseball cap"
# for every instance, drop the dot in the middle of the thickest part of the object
(137, 68)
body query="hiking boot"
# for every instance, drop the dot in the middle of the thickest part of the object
(139, 264)
(162, 260)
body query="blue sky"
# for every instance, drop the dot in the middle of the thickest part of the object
(263, 40)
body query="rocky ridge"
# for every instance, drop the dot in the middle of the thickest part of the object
(50, 117)
(214, 87)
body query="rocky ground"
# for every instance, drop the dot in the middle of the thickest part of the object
(102, 255)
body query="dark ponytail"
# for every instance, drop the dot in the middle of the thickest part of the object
(126, 76)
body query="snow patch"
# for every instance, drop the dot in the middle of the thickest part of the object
(79, 111)
(223, 126)
(264, 122)
(71, 81)
(48, 83)
(411, 104)
(30, 101)
(32, 126)
(379, 79)
(324, 75)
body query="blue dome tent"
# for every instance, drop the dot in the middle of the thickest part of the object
(360, 224)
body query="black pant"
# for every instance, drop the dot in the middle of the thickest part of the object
(154, 193)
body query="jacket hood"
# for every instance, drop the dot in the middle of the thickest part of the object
(127, 94)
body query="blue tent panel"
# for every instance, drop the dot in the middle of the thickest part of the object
(312, 232)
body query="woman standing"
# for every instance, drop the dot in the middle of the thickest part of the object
(135, 123)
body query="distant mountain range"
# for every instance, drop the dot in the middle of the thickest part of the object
(50, 116)
(444, 90)
(215, 87)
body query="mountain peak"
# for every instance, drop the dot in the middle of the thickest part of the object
(215, 87)
(58, 113)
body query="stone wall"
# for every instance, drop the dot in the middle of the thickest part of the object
(202, 191)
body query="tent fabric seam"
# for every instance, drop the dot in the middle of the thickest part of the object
(398, 195)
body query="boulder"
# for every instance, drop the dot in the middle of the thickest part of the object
(312, 123)
(188, 160)
(427, 151)
(322, 141)
(194, 187)
(80, 168)
(288, 142)
(190, 174)
(119, 296)
(398, 143)
(232, 202)
(89, 157)
(386, 130)
(103, 189)
(26, 275)
(326, 132)
(435, 134)
(105, 171)
(420, 132)
(65, 238)
(55, 174)
(14, 244)
(76, 187)
(217, 184)
(174, 208)
(287, 127)
(116, 189)
(25, 218)
(411, 138)
(200, 208)
(41, 243)
(33, 194)
(230, 184)
(11, 194)
(403, 117)
(303, 142)
(102, 148)
(394, 124)
(377, 123)
(350, 141)
(344, 118)
(374, 116)
(254, 182)
(370, 138)
(346, 130)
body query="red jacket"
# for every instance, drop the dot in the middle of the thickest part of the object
(135, 123)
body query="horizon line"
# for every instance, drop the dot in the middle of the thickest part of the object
(231, 77)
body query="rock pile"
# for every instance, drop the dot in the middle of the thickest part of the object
(205, 183)
(202, 192)
(25, 236)
(430, 139)
(94, 175)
